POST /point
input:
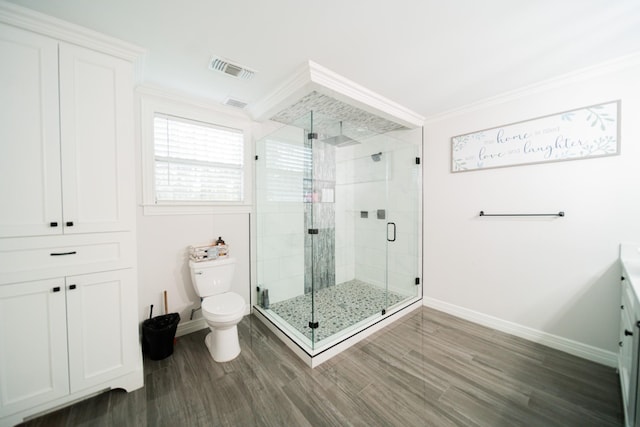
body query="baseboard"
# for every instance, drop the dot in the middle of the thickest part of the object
(575, 348)
(190, 326)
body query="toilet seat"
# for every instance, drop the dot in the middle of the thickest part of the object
(223, 307)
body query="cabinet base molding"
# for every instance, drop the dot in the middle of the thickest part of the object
(130, 382)
(575, 348)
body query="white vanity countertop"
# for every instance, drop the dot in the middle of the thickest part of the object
(630, 258)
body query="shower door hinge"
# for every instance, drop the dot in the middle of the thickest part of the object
(313, 325)
(417, 280)
(313, 231)
(312, 135)
(417, 160)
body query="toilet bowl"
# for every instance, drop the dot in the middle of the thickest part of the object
(222, 313)
(221, 308)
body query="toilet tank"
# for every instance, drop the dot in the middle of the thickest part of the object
(212, 277)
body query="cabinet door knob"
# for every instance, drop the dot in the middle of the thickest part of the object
(627, 333)
(69, 224)
(53, 224)
(622, 278)
(72, 287)
(622, 307)
(56, 289)
(620, 343)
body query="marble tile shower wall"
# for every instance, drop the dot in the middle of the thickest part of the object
(320, 176)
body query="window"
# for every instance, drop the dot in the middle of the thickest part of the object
(196, 156)
(197, 161)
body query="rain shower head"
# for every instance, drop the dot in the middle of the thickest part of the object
(341, 140)
(376, 157)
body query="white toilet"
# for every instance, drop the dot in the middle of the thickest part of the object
(221, 308)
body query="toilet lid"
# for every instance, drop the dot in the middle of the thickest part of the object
(223, 304)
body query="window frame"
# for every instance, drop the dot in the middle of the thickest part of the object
(152, 104)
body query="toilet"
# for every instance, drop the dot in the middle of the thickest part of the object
(221, 308)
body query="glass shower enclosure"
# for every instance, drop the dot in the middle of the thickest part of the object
(338, 228)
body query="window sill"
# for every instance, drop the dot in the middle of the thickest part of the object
(195, 209)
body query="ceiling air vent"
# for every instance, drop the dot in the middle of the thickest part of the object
(234, 103)
(230, 69)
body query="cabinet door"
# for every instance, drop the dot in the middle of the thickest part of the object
(30, 193)
(96, 104)
(628, 353)
(33, 343)
(102, 327)
(625, 354)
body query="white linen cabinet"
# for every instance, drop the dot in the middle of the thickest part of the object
(65, 126)
(68, 287)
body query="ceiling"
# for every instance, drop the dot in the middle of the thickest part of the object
(429, 56)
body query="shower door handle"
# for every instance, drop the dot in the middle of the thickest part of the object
(391, 239)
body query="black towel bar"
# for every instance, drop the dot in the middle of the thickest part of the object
(561, 213)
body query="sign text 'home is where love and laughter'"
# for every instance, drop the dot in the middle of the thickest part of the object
(586, 132)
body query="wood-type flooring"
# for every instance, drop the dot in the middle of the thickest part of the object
(427, 369)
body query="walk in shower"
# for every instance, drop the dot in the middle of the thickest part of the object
(337, 228)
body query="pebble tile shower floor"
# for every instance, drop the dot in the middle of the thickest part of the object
(337, 307)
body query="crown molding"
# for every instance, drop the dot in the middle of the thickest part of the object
(40, 23)
(343, 89)
(314, 77)
(576, 76)
(285, 94)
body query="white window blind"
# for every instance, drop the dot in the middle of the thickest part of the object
(286, 165)
(196, 161)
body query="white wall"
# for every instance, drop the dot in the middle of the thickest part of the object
(163, 262)
(551, 279)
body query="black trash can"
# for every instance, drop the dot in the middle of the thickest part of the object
(158, 334)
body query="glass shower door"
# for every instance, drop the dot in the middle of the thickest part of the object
(403, 222)
(371, 214)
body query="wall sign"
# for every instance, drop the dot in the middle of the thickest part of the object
(577, 134)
